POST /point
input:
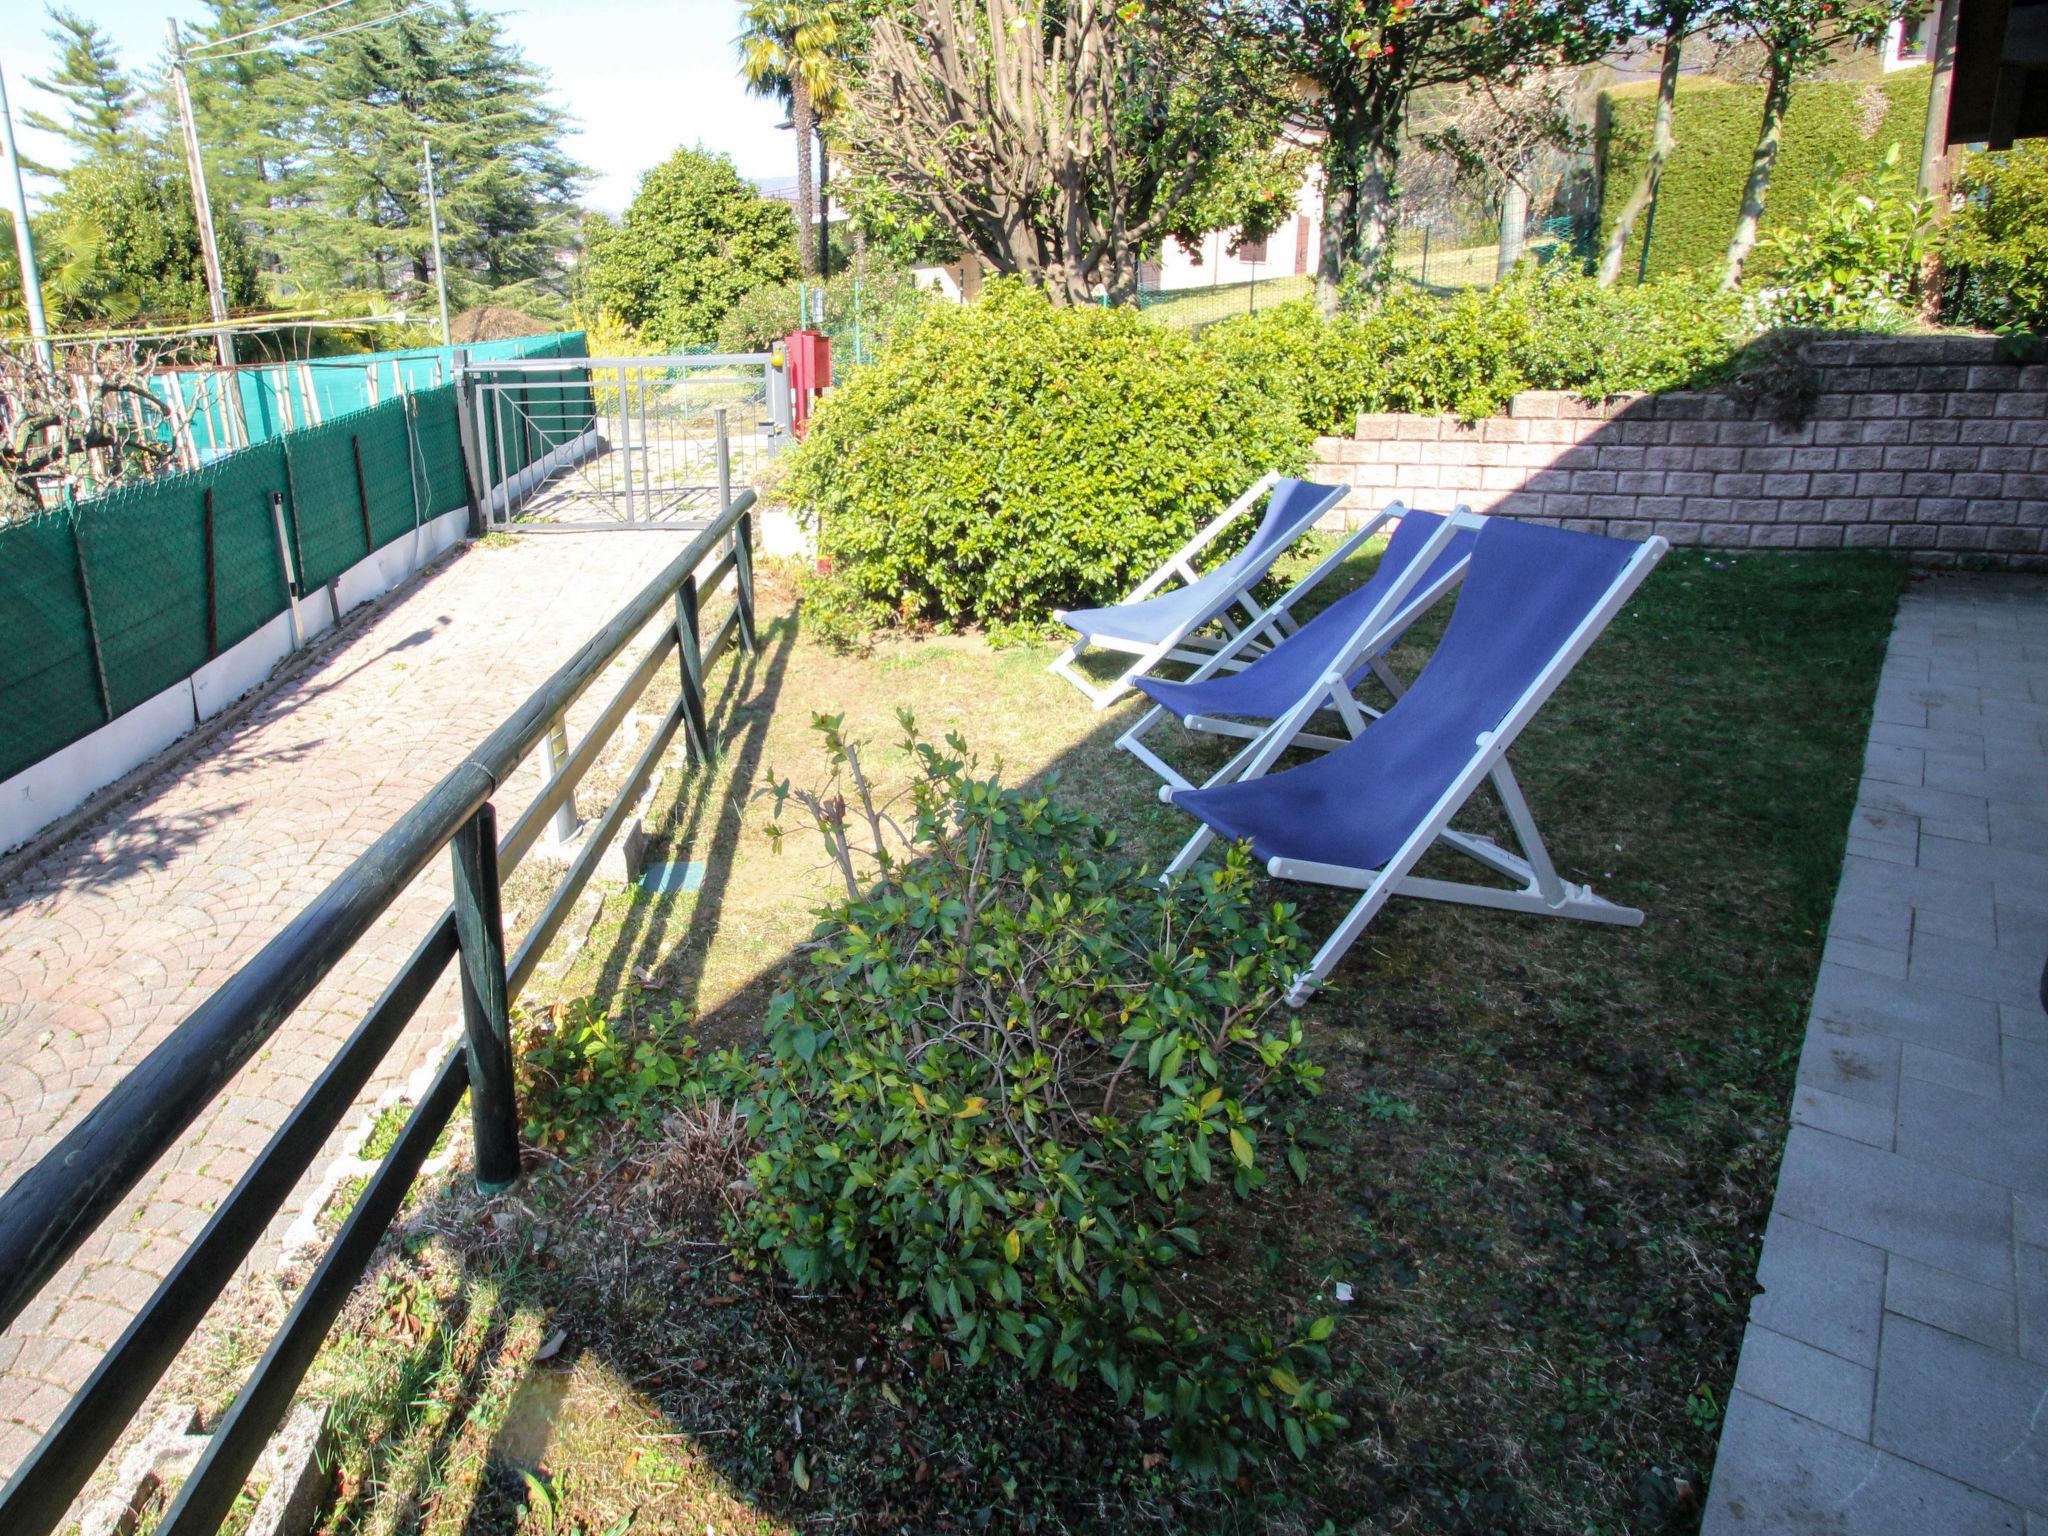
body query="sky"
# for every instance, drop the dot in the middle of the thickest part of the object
(638, 78)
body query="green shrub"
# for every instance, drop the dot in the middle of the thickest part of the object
(1010, 1080)
(1006, 457)
(1416, 353)
(1470, 353)
(1994, 248)
(1668, 333)
(1854, 262)
(1831, 126)
(584, 1069)
(1306, 363)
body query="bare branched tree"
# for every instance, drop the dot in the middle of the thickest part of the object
(80, 426)
(1059, 141)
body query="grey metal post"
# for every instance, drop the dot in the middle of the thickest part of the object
(486, 1009)
(778, 395)
(24, 245)
(209, 246)
(472, 450)
(434, 224)
(626, 439)
(291, 577)
(724, 441)
(555, 756)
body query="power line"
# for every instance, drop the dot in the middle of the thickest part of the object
(269, 26)
(318, 37)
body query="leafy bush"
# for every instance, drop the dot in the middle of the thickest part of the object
(1011, 1078)
(1854, 261)
(1830, 125)
(1007, 457)
(695, 239)
(1470, 353)
(1994, 248)
(1668, 333)
(582, 1071)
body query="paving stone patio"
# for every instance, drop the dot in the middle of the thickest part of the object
(1894, 1376)
(110, 938)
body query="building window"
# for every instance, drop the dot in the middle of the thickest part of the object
(1252, 251)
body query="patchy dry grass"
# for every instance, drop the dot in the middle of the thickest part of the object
(1546, 1150)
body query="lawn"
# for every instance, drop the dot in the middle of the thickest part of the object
(1545, 1151)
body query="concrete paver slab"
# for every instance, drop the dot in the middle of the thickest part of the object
(1919, 1144)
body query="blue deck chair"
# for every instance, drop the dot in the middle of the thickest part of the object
(1156, 625)
(1424, 560)
(1360, 817)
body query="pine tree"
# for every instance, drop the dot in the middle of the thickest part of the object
(100, 114)
(318, 140)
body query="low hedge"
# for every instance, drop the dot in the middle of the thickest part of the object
(1007, 457)
(1470, 353)
(1832, 127)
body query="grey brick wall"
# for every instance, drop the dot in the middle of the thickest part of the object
(1934, 445)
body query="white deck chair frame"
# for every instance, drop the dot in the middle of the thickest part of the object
(1543, 891)
(1398, 608)
(1186, 645)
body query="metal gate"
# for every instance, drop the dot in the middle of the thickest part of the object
(566, 445)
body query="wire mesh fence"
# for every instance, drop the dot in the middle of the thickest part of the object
(1443, 238)
(109, 602)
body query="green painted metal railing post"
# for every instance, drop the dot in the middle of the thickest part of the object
(486, 1010)
(212, 581)
(92, 623)
(355, 448)
(743, 570)
(690, 651)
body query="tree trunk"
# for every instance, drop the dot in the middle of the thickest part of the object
(804, 122)
(1777, 94)
(1374, 211)
(1340, 205)
(1514, 221)
(1653, 170)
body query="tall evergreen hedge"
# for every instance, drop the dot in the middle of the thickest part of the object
(1834, 127)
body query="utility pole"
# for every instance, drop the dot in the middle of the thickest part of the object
(434, 224)
(202, 206)
(24, 243)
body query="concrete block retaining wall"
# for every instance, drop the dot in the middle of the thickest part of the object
(1935, 445)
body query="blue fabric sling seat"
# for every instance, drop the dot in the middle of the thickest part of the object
(1526, 591)
(1273, 683)
(1293, 505)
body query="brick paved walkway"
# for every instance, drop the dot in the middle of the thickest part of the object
(1894, 1377)
(113, 937)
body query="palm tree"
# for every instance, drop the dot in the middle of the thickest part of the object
(789, 51)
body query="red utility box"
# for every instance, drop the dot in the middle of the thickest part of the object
(810, 374)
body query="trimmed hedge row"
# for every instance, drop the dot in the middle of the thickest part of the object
(1005, 458)
(1833, 126)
